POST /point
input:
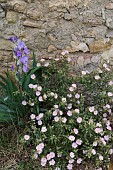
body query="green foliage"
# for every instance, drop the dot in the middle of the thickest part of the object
(14, 92)
(96, 90)
(77, 123)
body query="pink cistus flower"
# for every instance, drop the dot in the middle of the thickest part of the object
(110, 83)
(26, 137)
(95, 143)
(43, 129)
(52, 162)
(24, 103)
(75, 131)
(77, 110)
(72, 155)
(98, 130)
(79, 161)
(77, 96)
(69, 113)
(74, 145)
(32, 116)
(79, 141)
(71, 138)
(101, 157)
(71, 161)
(69, 166)
(91, 109)
(97, 77)
(30, 86)
(79, 120)
(93, 151)
(33, 76)
(84, 73)
(110, 94)
(43, 161)
(64, 120)
(40, 148)
(65, 52)
(38, 93)
(74, 85)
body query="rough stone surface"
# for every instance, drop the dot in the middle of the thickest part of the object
(63, 3)
(50, 26)
(77, 46)
(2, 14)
(51, 48)
(95, 59)
(100, 45)
(87, 61)
(32, 24)
(19, 6)
(34, 14)
(109, 34)
(107, 54)
(5, 45)
(80, 61)
(109, 6)
(12, 16)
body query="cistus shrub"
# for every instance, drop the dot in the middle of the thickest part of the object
(68, 120)
(76, 126)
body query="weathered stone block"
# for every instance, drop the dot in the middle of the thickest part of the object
(83, 47)
(2, 14)
(63, 3)
(106, 55)
(32, 24)
(109, 6)
(95, 59)
(19, 6)
(11, 16)
(68, 16)
(51, 37)
(80, 61)
(109, 23)
(77, 46)
(97, 32)
(100, 45)
(51, 48)
(109, 34)
(93, 21)
(35, 14)
(87, 61)
(5, 45)
(73, 36)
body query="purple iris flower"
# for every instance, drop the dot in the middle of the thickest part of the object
(20, 44)
(20, 50)
(18, 54)
(24, 60)
(12, 68)
(26, 51)
(25, 68)
(13, 39)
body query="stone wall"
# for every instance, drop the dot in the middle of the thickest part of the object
(84, 27)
